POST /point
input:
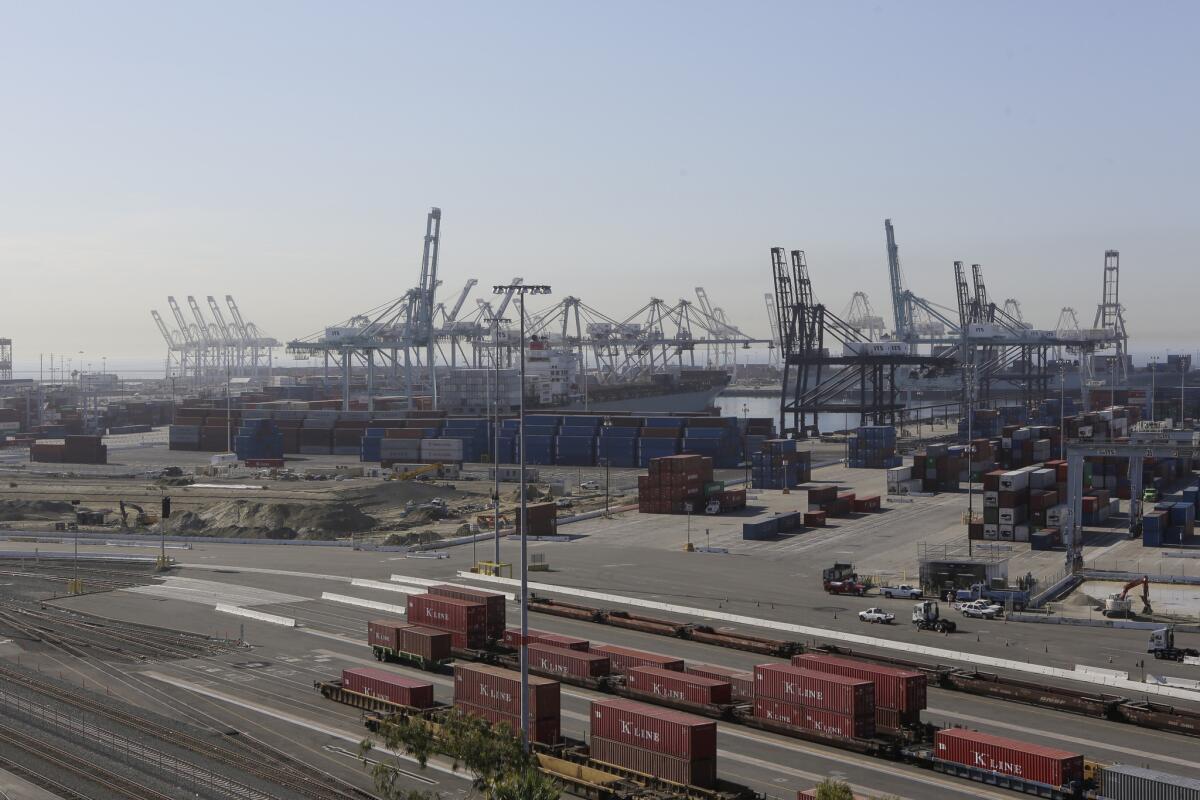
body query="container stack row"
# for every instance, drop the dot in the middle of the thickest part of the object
(258, 440)
(873, 447)
(72, 450)
(780, 465)
(672, 482)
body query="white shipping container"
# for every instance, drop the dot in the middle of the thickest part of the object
(898, 474)
(991, 499)
(911, 487)
(1014, 481)
(991, 531)
(441, 450)
(1041, 479)
(1020, 533)
(1006, 532)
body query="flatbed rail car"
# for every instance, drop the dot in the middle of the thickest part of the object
(334, 690)
(1156, 716)
(1000, 781)
(648, 786)
(411, 659)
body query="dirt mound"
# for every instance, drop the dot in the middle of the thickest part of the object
(255, 519)
(14, 510)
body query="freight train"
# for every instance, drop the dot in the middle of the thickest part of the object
(845, 702)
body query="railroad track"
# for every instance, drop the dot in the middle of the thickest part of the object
(150, 640)
(259, 758)
(112, 782)
(79, 638)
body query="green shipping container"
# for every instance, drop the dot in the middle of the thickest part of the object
(714, 487)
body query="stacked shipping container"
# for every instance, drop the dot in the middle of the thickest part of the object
(656, 741)
(495, 695)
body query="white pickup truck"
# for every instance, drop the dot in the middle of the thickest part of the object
(877, 615)
(903, 592)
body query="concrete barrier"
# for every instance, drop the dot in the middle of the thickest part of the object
(385, 586)
(427, 582)
(238, 611)
(973, 659)
(358, 601)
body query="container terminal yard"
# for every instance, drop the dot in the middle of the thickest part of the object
(219, 581)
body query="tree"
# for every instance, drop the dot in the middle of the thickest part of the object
(499, 766)
(830, 789)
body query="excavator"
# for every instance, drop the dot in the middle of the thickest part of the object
(1120, 604)
(142, 517)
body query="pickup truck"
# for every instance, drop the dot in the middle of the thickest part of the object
(877, 615)
(903, 591)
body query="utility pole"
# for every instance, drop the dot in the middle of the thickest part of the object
(523, 289)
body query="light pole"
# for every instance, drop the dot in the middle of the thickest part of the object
(746, 443)
(1062, 411)
(495, 322)
(1182, 383)
(607, 464)
(521, 290)
(1153, 373)
(970, 484)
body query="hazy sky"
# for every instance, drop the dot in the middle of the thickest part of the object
(286, 153)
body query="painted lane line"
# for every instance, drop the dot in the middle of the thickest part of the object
(974, 659)
(283, 716)
(358, 601)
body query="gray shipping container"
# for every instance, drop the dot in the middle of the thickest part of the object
(1123, 782)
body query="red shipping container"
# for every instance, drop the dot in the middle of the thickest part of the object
(493, 600)
(822, 494)
(863, 505)
(427, 643)
(817, 720)
(741, 681)
(561, 661)
(815, 689)
(674, 685)
(895, 688)
(701, 773)
(465, 620)
(622, 658)
(847, 496)
(512, 638)
(661, 730)
(997, 754)
(814, 519)
(388, 686)
(500, 689)
(545, 731)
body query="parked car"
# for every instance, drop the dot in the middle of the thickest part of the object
(877, 615)
(903, 592)
(980, 609)
(590, 486)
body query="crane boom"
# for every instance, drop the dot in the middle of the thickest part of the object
(221, 326)
(162, 328)
(179, 320)
(462, 298)
(900, 307)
